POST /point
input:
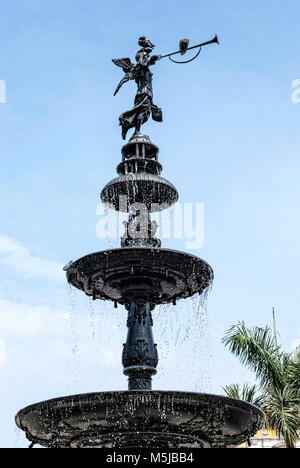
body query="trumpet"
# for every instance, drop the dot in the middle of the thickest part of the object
(184, 48)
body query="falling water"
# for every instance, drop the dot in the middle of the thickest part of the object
(17, 437)
(183, 334)
(73, 343)
(181, 330)
(111, 241)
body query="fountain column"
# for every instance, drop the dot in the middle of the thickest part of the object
(140, 357)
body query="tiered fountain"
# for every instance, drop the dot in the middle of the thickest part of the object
(140, 276)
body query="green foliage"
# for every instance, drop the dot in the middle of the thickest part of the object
(257, 349)
(283, 413)
(278, 374)
(246, 393)
(295, 370)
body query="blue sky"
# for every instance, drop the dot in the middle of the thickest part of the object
(230, 139)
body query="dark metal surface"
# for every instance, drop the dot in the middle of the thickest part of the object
(141, 73)
(155, 192)
(140, 357)
(138, 165)
(187, 61)
(139, 180)
(140, 419)
(215, 40)
(140, 146)
(159, 276)
(140, 231)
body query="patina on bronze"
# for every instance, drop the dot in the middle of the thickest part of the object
(140, 276)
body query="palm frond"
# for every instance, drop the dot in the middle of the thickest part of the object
(246, 393)
(294, 371)
(283, 413)
(296, 354)
(256, 348)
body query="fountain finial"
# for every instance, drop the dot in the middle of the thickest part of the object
(140, 72)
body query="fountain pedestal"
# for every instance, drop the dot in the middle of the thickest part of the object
(140, 357)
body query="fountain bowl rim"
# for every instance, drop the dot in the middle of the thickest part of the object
(173, 393)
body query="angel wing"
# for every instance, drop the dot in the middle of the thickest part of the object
(128, 67)
(128, 76)
(124, 63)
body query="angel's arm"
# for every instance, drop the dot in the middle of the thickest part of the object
(154, 58)
(146, 60)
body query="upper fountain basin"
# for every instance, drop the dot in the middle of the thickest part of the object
(153, 191)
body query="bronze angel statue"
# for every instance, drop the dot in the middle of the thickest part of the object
(141, 73)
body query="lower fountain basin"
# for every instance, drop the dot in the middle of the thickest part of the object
(159, 276)
(140, 419)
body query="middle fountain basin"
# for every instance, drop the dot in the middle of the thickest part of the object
(158, 276)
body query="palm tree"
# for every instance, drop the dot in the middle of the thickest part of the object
(278, 375)
(245, 393)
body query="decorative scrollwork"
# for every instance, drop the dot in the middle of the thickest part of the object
(141, 355)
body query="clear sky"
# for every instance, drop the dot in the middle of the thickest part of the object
(230, 139)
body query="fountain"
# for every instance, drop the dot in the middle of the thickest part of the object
(140, 275)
